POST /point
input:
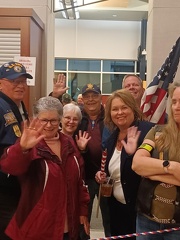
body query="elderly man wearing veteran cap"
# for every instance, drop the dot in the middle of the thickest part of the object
(92, 122)
(13, 86)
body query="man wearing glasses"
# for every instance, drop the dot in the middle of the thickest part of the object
(13, 86)
(92, 122)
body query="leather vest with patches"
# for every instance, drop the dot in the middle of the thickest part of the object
(150, 201)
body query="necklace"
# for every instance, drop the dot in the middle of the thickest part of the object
(119, 139)
(119, 144)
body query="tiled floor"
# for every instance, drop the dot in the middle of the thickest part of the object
(96, 223)
(97, 233)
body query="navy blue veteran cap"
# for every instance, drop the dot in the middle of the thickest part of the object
(13, 70)
(91, 88)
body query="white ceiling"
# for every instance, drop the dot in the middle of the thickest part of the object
(115, 10)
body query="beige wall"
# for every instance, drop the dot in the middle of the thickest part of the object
(97, 39)
(162, 32)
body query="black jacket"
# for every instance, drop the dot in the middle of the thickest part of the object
(10, 121)
(10, 130)
(92, 161)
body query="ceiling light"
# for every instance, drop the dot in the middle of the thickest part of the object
(86, 2)
(69, 8)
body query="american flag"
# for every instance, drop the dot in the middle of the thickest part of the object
(154, 100)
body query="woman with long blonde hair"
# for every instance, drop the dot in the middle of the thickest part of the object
(158, 161)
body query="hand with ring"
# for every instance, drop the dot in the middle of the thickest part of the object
(31, 135)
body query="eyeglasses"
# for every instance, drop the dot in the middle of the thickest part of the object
(53, 122)
(68, 119)
(89, 96)
(16, 81)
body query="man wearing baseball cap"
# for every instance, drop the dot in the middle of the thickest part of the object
(92, 122)
(13, 86)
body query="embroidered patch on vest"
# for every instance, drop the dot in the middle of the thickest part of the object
(9, 118)
(17, 131)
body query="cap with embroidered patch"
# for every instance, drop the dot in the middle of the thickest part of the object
(13, 70)
(91, 88)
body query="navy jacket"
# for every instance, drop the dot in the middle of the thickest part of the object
(129, 179)
(10, 131)
(10, 121)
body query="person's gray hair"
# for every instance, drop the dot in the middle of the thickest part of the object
(72, 107)
(47, 104)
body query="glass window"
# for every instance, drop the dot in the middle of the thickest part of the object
(118, 66)
(84, 65)
(60, 64)
(107, 74)
(111, 82)
(77, 80)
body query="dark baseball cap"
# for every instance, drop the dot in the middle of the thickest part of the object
(91, 88)
(13, 70)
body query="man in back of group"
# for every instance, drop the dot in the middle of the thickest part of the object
(80, 101)
(13, 86)
(134, 85)
(92, 122)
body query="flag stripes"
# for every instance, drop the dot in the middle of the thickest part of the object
(154, 100)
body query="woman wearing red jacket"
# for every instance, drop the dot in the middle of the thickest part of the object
(54, 199)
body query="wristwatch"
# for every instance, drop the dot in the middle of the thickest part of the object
(166, 164)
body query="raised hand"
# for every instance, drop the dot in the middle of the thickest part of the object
(82, 140)
(31, 135)
(132, 139)
(59, 86)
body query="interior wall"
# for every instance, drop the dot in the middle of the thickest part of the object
(97, 39)
(162, 32)
(36, 50)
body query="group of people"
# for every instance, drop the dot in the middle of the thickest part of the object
(51, 164)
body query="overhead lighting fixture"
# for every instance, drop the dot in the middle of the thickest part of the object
(69, 8)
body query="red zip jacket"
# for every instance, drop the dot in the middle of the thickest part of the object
(50, 188)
